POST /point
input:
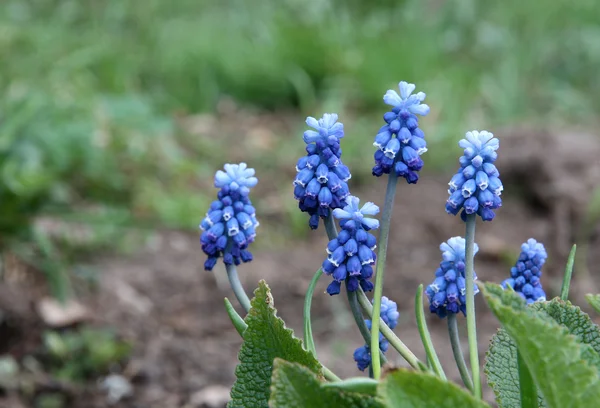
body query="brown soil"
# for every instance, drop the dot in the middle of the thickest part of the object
(184, 343)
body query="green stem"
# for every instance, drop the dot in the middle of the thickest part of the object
(527, 388)
(432, 357)
(330, 375)
(457, 351)
(239, 323)
(330, 226)
(564, 292)
(389, 334)
(471, 322)
(237, 287)
(360, 322)
(308, 336)
(386, 218)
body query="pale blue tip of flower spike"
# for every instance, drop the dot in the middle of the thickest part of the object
(324, 128)
(236, 176)
(352, 212)
(454, 249)
(406, 100)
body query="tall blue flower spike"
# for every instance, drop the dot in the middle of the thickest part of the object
(321, 182)
(447, 292)
(476, 187)
(389, 314)
(230, 224)
(525, 275)
(351, 254)
(400, 141)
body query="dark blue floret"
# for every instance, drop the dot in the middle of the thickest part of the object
(229, 226)
(400, 141)
(389, 314)
(351, 253)
(447, 292)
(476, 187)
(321, 183)
(525, 275)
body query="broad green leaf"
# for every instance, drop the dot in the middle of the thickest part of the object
(412, 389)
(501, 360)
(594, 301)
(555, 358)
(295, 386)
(265, 339)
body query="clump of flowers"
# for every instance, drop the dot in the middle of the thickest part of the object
(400, 141)
(229, 226)
(389, 314)
(351, 254)
(525, 275)
(447, 292)
(321, 182)
(476, 187)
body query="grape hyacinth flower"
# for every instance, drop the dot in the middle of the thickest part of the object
(476, 187)
(229, 226)
(525, 275)
(351, 254)
(389, 314)
(400, 141)
(321, 182)
(447, 292)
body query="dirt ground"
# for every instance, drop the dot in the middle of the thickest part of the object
(186, 349)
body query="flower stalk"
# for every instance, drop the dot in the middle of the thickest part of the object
(457, 351)
(471, 321)
(394, 340)
(381, 256)
(237, 287)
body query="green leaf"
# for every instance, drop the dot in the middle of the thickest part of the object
(265, 339)
(294, 386)
(412, 389)
(501, 362)
(564, 370)
(594, 301)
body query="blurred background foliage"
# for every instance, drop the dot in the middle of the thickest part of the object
(95, 94)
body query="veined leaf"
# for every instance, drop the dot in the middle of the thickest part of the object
(413, 389)
(564, 370)
(265, 339)
(501, 361)
(295, 386)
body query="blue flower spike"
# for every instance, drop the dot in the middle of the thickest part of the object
(390, 315)
(476, 187)
(400, 141)
(230, 224)
(351, 253)
(321, 183)
(525, 275)
(447, 292)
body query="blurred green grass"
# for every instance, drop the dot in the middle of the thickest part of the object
(91, 91)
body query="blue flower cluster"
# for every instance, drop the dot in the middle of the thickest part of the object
(400, 141)
(321, 182)
(389, 314)
(447, 292)
(229, 226)
(525, 275)
(351, 254)
(476, 187)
